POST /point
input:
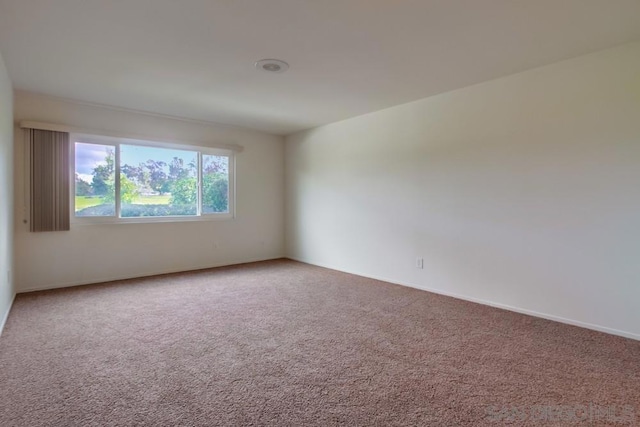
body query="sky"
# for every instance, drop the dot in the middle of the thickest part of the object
(88, 156)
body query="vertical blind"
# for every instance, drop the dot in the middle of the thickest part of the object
(49, 176)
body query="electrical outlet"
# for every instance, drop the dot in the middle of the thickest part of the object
(419, 263)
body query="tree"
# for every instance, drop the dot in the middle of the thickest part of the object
(215, 189)
(177, 170)
(184, 192)
(83, 188)
(128, 191)
(103, 174)
(215, 164)
(215, 194)
(134, 173)
(157, 175)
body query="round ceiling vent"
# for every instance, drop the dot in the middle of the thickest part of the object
(272, 65)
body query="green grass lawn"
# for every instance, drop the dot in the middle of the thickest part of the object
(86, 202)
(83, 202)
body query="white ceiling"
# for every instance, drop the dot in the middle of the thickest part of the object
(194, 58)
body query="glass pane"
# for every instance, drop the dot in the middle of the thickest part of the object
(215, 184)
(157, 182)
(95, 176)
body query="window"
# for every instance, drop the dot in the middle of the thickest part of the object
(129, 180)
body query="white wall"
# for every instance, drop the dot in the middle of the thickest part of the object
(6, 193)
(523, 192)
(94, 253)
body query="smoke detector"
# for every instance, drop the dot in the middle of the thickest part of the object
(272, 65)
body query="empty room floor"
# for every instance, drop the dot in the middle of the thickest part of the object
(286, 343)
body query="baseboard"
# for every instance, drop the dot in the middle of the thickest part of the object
(143, 274)
(6, 315)
(520, 310)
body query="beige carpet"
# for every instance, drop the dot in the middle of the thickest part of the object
(286, 344)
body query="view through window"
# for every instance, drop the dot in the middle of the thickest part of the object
(124, 180)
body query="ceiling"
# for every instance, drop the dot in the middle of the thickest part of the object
(194, 58)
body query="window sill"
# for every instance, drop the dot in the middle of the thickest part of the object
(79, 221)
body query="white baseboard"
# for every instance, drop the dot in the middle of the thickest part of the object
(142, 274)
(3, 321)
(533, 313)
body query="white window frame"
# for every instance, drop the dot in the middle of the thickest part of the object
(116, 143)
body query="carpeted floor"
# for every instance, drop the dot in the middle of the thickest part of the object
(287, 344)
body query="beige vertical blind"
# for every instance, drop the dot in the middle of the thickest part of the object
(49, 176)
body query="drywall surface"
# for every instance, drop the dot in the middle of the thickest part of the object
(522, 192)
(6, 194)
(95, 253)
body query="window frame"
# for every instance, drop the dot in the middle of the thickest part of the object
(116, 143)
